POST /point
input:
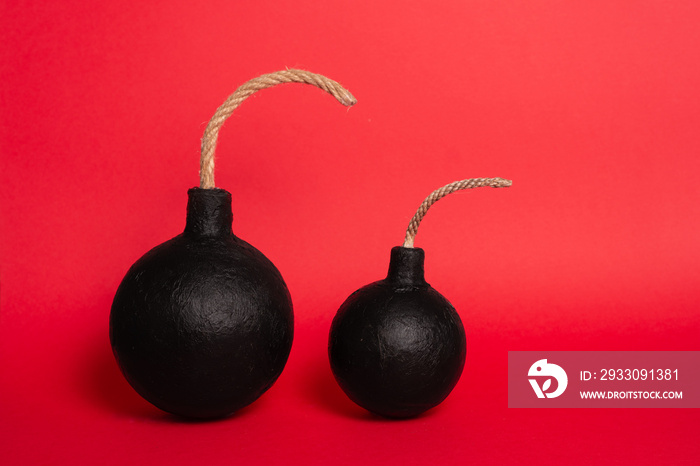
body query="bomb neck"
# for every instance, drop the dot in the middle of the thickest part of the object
(209, 212)
(406, 266)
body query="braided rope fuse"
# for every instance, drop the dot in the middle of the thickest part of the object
(438, 194)
(211, 133)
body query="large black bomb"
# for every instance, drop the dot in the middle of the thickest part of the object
(397, 347)
(202, 324)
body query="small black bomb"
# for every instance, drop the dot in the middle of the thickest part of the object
(202, 325)
(397, 347)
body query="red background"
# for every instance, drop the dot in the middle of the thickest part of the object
(590, 107)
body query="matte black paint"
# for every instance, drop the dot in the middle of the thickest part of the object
(202, 325)
(397, 347)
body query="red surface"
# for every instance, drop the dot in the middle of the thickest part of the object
(590, 107)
